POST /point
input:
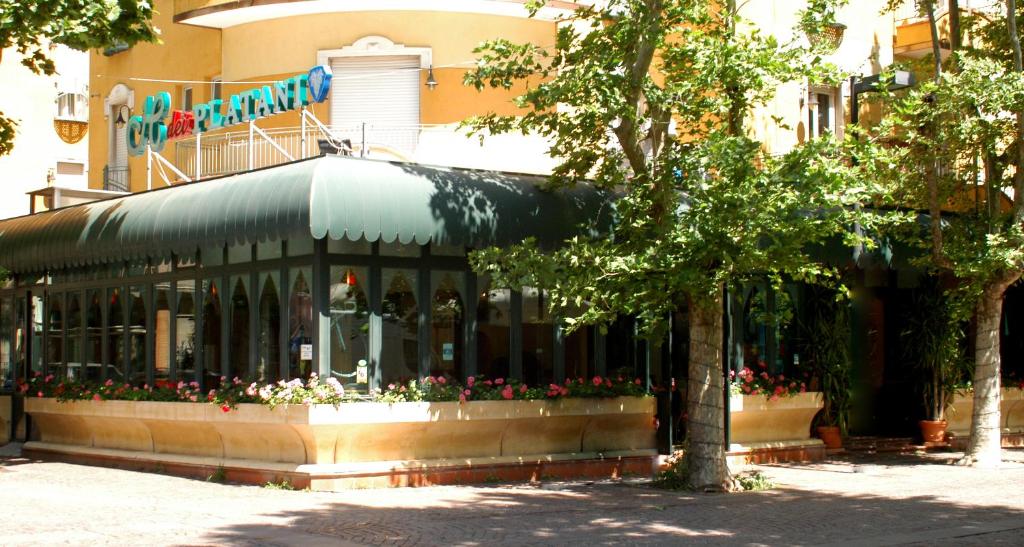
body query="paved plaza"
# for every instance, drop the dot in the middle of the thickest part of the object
(890, 500)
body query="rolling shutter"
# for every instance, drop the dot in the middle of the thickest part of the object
(382, 92)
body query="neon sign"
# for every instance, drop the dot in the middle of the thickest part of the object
(150, 128)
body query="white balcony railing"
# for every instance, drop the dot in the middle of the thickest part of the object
(226, 153)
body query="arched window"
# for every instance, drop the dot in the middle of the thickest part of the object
(94, 338)
(493, 323)
(137, 328)
(185, 332)
(162, 365)
(211, 335)
(115, 339)
(400, 336)
(350, 325)
(74, 326)
(446, 325)
(239, 331)
(300, 326)
(268, 365)
(55, 339)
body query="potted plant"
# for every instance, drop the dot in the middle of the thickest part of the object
(931, 342)
(827, 340)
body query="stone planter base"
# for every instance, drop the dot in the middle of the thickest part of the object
(6, 415)
(357, 444)
(763, 431)
(775, 452)
(1011, 413)
(358, 476)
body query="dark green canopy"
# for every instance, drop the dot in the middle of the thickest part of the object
(328, 196)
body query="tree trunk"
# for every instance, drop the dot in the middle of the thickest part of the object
(985, 448)
(705, 405)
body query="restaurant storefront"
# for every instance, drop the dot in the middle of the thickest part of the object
(353, 269)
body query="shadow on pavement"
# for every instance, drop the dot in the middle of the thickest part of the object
(618, 513)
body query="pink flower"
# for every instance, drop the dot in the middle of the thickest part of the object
(563, 392)
(748, 379)
(499, 381)
(764, 375)
(48, 378)
(470, 381)
(431, 379)
(462, 397)
(441, 380)
(607, 382)
(193, 398)
(522, 388)
(746, 388)
(773, 398)
(507, 392)
(782, 378)
(596, 381)
(488, 383)
(96, 397)
(40, 394)
(108, 383)
(467, 392)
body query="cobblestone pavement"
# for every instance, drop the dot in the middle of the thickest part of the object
(888, 500)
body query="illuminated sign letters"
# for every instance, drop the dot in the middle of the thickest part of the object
(261, 102)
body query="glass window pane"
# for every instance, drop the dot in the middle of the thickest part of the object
(213, 256)
(300, 246)
(162, 345)
(350, 326)
(238, 254)
(74, 349)
(538, 338)
(38, 313)
(268, 250)
(412, 250)
(185, 332)
(579, 358)
(399, 338)
(440, 249)
(20, 370)
(186, 261)
(346, 247)
(446, 321)
(300, 324)
(211, 334)
(94, 336)
(493, 314)
(137, 328)
(115, 338)
(239, 330)
(55, 336)
(268, 363)
(6, 345)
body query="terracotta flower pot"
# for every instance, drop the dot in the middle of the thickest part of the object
(933, 431)
(829, 435)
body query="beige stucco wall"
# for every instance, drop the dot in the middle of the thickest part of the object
(867, 48)
(29, 99)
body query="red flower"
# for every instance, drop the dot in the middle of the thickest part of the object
(40, 394)
(225, 408)
(499, 381)
(507, 392)
(522, 388)
(637, 381)
(596, 381)
(96, 397)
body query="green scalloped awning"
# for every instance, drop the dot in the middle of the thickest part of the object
(329, 196)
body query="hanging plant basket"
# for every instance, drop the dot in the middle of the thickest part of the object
(70, 131)
(829, 38)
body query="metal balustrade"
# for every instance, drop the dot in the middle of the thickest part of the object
(226, 153)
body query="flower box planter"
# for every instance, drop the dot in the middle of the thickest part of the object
(322, 440)
(783, 425)
(1011, 412)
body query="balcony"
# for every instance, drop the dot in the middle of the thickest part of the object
(116, 179)
(233, 152)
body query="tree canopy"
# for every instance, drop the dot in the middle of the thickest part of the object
(652, 98)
